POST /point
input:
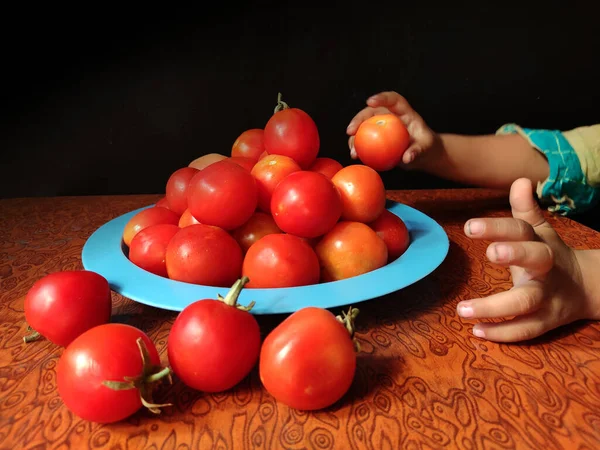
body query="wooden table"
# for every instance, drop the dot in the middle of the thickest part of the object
(423, 381)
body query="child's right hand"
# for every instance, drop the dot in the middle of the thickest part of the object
(422, 137)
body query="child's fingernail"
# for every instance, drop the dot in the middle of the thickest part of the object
(465, 310)
(475, 227)
(478, 332)
(502, 252)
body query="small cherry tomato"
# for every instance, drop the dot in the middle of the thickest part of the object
(258, 226)
(327, 166)
(249, 144)
(380, 141)
(362, 192)
(146, 217)
(148, 248)
(394, 233)
(177, 187)
(268, 173)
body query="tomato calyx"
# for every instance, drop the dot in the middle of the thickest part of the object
(232, 296)
(281, 105)
(144, 382)
(34, 336)
(347, 319)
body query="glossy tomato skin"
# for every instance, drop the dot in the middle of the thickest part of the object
(380, 141)
(204, 254)
(148, 248)
(213, 346)
(145, 218)
(63, 305)
(327, 166)
(281, 260)
(206, 160)
(308, 361)
(177, 187)
(223, 194)
(394, 233)
(268, 173)
(242, 161)
(306, 204)
(162, 203)
(187, 219)
(292, 132)
(350, 249)
(258, 226)
(362, 192)
(249, 144)
(105, 353)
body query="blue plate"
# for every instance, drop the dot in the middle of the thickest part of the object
(102, 253)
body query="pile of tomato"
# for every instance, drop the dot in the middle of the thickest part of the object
(273, 214)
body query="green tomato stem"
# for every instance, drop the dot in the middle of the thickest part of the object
(31, 337)
(281, 105)
(232, 296)
(348, 321)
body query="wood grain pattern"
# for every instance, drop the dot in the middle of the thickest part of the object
(423, 381)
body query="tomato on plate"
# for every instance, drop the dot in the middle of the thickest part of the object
(62, 305)
(249, 144)
(292, 132)
(362, 192)
(258, 226)
(306, 204)
(214, 343)
(327, 166)
(246, 163)
(187, 219)
(308, 361)
(104, 374)
(350, 249)
(206, 160)
(204, 254)
(145, 218)
(281, 260)
(394, 233)
(380, 141)
(162, 203)
(262, 155)
(177, 187)
(268, 173)
(223, 194)
(148, 248)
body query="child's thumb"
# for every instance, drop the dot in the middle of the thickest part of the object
(524, 206)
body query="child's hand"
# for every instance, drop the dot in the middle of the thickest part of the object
(422, 137)
(553, 284)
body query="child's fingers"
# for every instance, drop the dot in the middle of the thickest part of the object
(518, 329)
(521, 300)
(499, 229)
(362, 116)
(353, 154)
(534, 256)
(412, 153)
(390, 100)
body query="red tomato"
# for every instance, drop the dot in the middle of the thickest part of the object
(380, 141)
(62, 305)
(394, 233)
(246, 163)
(259, 225)
(162, 203)
(362, 192)
(187, 219)
(349, 250)
(145, 218)
(262, 155)
(102, 374)
(206, 160)
(214, 344)
(327, 166)
(306, 204)
(292, 132)
(177, 187)
(203, 254)
(149, 248)
(249, 144)
(308, 362)
(281, 260)
(223, 194)
(268, 173)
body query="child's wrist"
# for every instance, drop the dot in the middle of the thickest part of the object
(589, 264)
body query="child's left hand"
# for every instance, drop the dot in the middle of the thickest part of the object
(553, 284)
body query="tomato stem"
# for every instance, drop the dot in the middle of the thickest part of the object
(31, 337)
(281, 105)
(348, 321)
(232, 296)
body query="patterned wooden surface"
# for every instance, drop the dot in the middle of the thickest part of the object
(423, 381)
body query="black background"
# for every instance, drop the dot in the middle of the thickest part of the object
(107, 101)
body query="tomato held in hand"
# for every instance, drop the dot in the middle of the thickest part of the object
(306, 204)
(214, 343)
(380, 141)
(177, 187)
(63, 305)
(268, 173)
(281, 260)
(292, 132)
(308, 361)
(148, 248)
(149, 216)
(106, 373)
(350, 249)
(362, 192)
(206, 160)
(394, 233)
(223, 194)
(204, 254)
(258, 226)
(327, 166)
(187, 219)
(249, 144)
